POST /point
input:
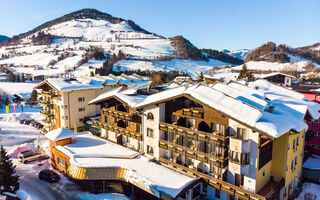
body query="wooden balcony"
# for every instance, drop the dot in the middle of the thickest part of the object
(217, 183)
(193, 112)
(195, 134)
(46, 113)
(117, 114)
(46, 103)
(117, 129)
(220, 161)
(49, 94)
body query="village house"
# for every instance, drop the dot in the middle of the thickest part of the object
(65, 100)
(240, 141)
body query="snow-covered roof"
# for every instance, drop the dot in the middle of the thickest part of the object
(273, 74)
(312, 163)
(60, 134)
(67, 84)
(131, 100)
(92, 152)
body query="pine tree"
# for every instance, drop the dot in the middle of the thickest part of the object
(201, 77)
(9, 180)
(22, 78)
(12, 77)
(34, 95)
(18, 78)
(245, 73)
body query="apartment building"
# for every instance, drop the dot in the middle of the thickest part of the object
(65, 100)
(243, 141)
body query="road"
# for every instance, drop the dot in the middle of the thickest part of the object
(42, 190)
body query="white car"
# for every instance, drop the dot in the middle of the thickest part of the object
(29, 156)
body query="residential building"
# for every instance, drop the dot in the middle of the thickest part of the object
(234, 137)
(65, 100)
(278, 78)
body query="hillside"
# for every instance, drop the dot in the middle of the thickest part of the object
(240, 54)
(270, 52)
(3, 38)
(70, 43)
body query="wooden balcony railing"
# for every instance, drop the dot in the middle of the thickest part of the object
(217, 183)
(219, 161)
(46, 103)
(117, 129)
(46, 113)
(49, 93)
(195, 134)
(193, 112)
(117, 114)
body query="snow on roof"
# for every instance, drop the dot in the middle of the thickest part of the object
(67, 84)
(131, 100)
(273, 74)
(87, 145)
(92, 152)
(60, 134)
(312, 163)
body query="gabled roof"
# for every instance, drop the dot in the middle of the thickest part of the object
(275, 74)
(60, 134)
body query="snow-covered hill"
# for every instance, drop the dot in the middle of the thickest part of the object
(59, 46)
(241, 53)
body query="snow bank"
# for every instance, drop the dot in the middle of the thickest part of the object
(15, 117)
(26, 146)
(23, 195)
(311, 190)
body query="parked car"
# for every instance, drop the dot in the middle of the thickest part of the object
(27, 122)
(29, 156)
(49, 175)
(22, 121)
(40, 126)
(33, 123)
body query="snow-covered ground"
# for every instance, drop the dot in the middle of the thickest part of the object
(23, 89)
(310, 190)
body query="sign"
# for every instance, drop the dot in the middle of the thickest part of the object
(7, 109)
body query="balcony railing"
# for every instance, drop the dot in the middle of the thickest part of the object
(195, 134)
(193, 112)
(46, 103)
(217, 183)
(117, 114)
(46, 113)
(220, 161)
(49, 93)
(117, 129)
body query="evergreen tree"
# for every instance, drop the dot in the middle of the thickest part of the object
(201, 77)
(9, 180)
(34, 95)
(18, 78)
(22, 78)
(12, 77)
(245, 73)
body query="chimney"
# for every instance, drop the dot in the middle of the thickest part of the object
(271, 109)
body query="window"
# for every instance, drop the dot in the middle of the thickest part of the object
(173, 118)
(297, 140)
(150, 116)
(292, 165)
(149, 149)
(106, 119)
(285, 192)
(241, 133)
(217, 194)
(149, 132)
(294, 145)
(288, 145)
(61, 162)
(53, 158)
(138, 128)
(80, 119)
(80, 99)
(295, 162)
(214, 127)
(127, 123)
(115, 120)
(265, 154)
(82, 109)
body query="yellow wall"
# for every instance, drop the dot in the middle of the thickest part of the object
(279, 157)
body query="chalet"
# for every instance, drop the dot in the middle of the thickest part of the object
(278, 78)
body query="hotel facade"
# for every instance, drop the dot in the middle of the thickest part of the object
(239, 148)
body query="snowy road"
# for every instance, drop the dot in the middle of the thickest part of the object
(38, 189)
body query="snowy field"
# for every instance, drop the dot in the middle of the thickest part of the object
(310, 190)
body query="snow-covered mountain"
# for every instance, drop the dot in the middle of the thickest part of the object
(64, 44)
(240, 54)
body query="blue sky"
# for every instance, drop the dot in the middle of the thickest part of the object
(217, 24)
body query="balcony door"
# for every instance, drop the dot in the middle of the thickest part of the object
(238, 180)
